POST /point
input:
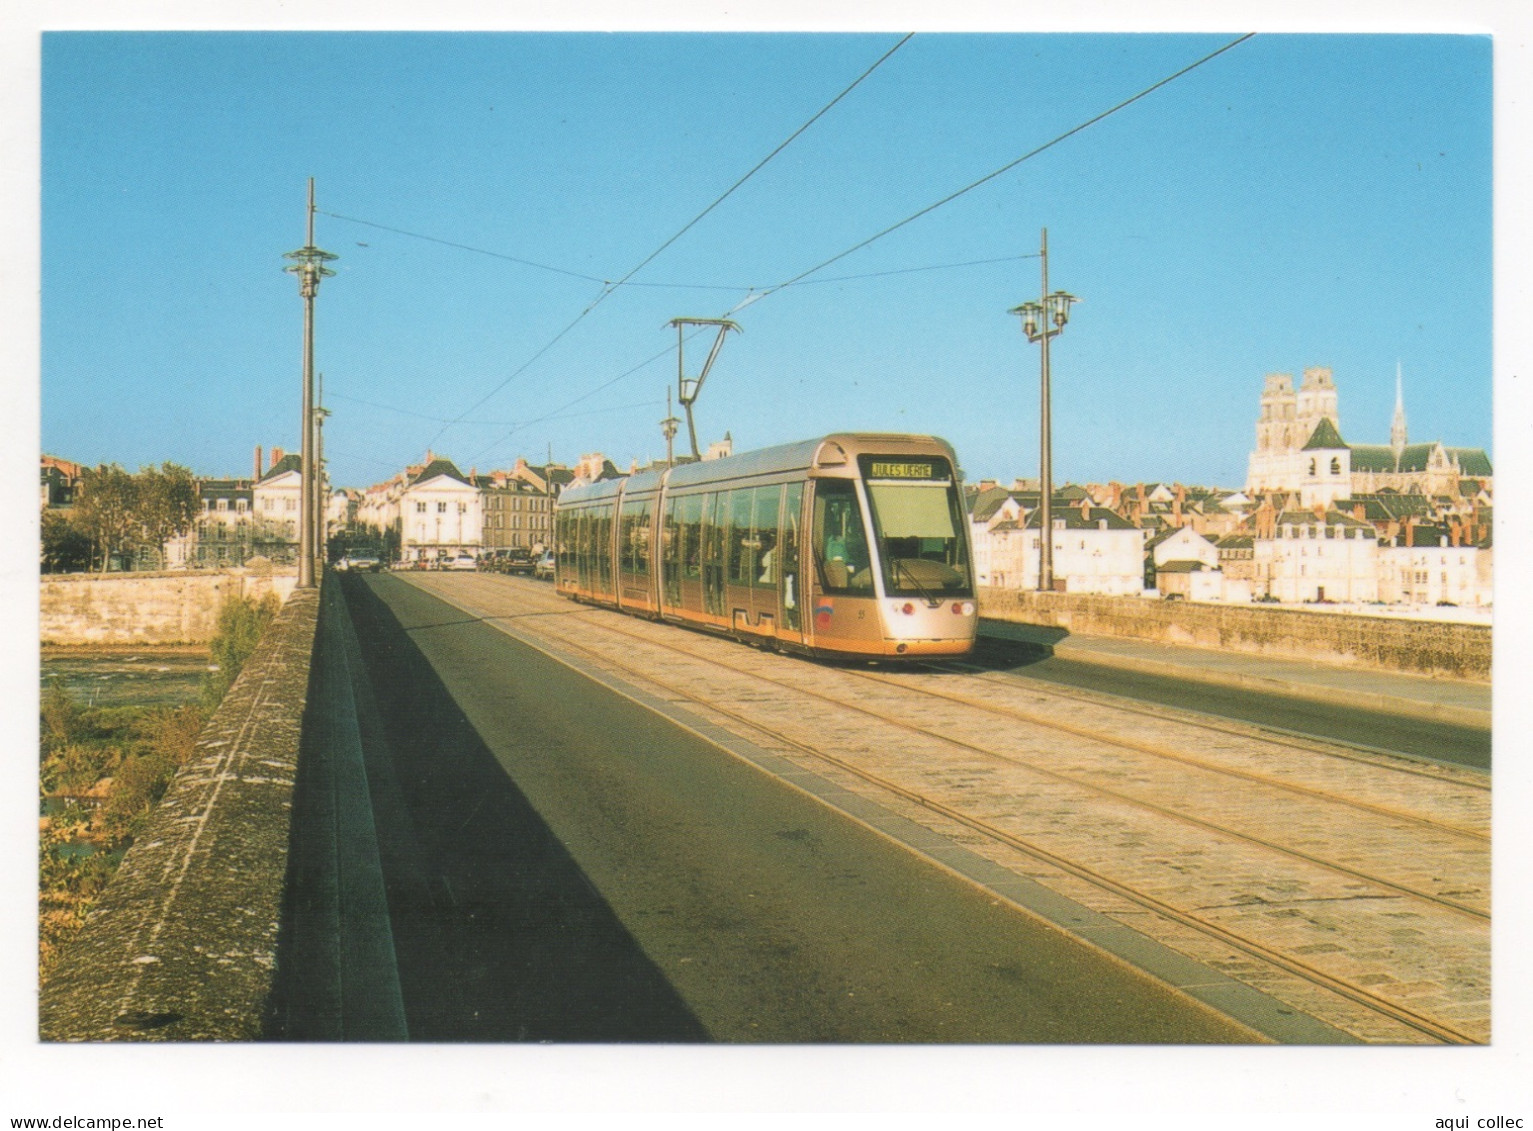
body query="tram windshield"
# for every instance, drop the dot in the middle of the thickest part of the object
(918, 520)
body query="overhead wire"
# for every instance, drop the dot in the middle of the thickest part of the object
(737, 287)
(462, 246)
(486, 423)
(800, 279)
(988, 177)
(609, 287)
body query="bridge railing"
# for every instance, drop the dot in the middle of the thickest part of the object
(183, 943)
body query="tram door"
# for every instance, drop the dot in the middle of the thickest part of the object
(715, 528)
(753, 560)
(790, 589)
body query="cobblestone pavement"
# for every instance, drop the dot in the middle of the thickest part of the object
(1353, 889)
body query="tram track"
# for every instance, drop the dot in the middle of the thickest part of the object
(1106, 738)
(1320, 748)
(658, 660)
(1329, 747)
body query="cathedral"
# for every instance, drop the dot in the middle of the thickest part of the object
(1299, 450)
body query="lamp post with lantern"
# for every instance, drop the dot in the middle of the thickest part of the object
(309, 266)
(1041, 321)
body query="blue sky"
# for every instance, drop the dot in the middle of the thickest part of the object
(1299, 200)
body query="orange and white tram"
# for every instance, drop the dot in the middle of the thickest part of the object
(849, 544)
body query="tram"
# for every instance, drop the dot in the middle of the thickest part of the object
(852, 545)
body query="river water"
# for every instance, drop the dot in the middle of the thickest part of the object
(124, 677)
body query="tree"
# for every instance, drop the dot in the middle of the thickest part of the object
(241, 621)
(106, 509)
(166, 504)
(121, 513)
(65, 547)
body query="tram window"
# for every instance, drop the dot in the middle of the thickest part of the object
(768, 499)
(740, 536)
(840, 547)
(920, 537)
(602, 527)
(633, 538)
(691, 536)
(715, 527)
(670, 551)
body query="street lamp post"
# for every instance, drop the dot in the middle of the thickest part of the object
(321, 524)
(310, 267)
(1041, 321)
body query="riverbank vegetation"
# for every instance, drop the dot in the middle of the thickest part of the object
(101, 770)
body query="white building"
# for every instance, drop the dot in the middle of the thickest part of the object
(1094, 551)
(441, 514)
(1186, 565)
(995, 521)
(1302, 556)
(1427, 565)
(1184, 545)
(277, 501)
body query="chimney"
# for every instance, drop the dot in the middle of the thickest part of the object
(258, 461)
(276, 456)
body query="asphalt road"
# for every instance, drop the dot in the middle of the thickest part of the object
(1413, 737)
(564, 865)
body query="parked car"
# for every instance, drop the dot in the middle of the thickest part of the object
(517, 561)
(461, 561)
(545, 566)
(362, 563)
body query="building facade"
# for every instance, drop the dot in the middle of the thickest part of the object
(1316, 557)
(441, 514)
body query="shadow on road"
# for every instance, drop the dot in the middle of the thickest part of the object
(499, 936)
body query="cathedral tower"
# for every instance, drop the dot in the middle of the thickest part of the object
(1397, 434)
(1317, 402)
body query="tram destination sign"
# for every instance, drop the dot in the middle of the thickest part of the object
(892, 469)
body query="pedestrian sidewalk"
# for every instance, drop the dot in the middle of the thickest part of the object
(1463, 702)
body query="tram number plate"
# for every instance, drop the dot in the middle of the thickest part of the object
(882, 469)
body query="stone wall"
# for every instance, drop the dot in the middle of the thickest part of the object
(1462, 651)
(182, 945)
(146, 608)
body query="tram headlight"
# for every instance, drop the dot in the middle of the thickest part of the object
(964, 608)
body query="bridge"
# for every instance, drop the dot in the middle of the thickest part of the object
(442, 807)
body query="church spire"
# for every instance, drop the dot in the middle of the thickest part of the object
(1397, 434)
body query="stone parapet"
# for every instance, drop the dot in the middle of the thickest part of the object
(146, 608)
(182, 945)
(1419, 647)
